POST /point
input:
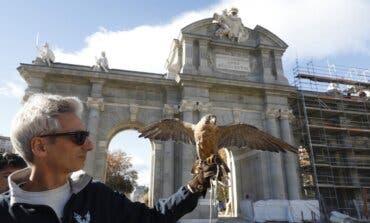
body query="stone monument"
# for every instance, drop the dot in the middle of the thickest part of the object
(214, 66)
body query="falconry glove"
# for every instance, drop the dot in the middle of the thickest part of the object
(204, 171)
(211, 160)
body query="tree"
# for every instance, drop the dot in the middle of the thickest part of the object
(145, 197)
(120, 176)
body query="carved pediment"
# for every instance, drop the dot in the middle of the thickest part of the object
(257, 37)
(223, 47)
(267, 38)
(199, 28)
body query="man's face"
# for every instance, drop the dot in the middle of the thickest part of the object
(63, 154)
(4, 173)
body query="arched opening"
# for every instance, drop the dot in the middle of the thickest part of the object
(137, 151)
(227, 192)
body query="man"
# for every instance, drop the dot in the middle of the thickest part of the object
(9, 162)
(50, 136)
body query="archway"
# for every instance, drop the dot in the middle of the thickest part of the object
(139, 151)
(228, 190)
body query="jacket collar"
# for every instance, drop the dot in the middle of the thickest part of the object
(78, 180)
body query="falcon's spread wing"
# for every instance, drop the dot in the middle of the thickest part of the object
(244, 135)
(169, 129)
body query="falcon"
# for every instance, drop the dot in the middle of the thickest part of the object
(208, 137)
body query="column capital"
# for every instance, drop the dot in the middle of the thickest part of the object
(203, 42)
(186, 105)
(272, 112)
(103, 144)
(97, 103)
(287, 114)
(170, 110)
(278, 54)
(187, 39)
(265, 51)
(203, 107)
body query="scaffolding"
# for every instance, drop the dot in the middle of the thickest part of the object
(332, 106)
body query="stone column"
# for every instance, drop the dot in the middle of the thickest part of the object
(95, 105)
(187, 56)
(277, 177)
(279, 67)
(267, 75)
(290, 159)
(158, 163)
(188, 151)
(152, 173)
(169, 156)
(100, 160)
(266, 176)
(203, 51)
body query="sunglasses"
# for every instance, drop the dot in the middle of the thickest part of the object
(79, 137)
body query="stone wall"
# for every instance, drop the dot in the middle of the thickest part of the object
(5, 144)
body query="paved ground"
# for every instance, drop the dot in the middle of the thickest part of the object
(231, 220)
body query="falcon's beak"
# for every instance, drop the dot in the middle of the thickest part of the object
(213, 120)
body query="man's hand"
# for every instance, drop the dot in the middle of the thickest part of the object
(204, 171)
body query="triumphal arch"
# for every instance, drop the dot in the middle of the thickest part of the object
(216, 65)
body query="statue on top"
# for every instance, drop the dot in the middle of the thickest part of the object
(230, 25)
(45, 56)
(101, 63)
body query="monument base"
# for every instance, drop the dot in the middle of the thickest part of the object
(201, 213)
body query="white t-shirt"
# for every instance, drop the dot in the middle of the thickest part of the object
(55, 198)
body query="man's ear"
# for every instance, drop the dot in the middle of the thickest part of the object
(38, 146)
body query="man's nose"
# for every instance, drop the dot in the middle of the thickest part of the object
(88, 145)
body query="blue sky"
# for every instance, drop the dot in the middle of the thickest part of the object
(136, 35)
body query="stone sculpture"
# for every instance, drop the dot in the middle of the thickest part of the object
(101, 63)
(230, 25)
(46, 55)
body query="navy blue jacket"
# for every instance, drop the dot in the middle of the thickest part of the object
(95, 202)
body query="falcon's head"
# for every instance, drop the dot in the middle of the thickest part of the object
(210, 119)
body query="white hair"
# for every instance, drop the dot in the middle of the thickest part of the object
(38, 116)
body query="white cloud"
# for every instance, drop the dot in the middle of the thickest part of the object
(12, 89)
(136, 160)
(312, 28)
(144, 178)
(143, 168)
